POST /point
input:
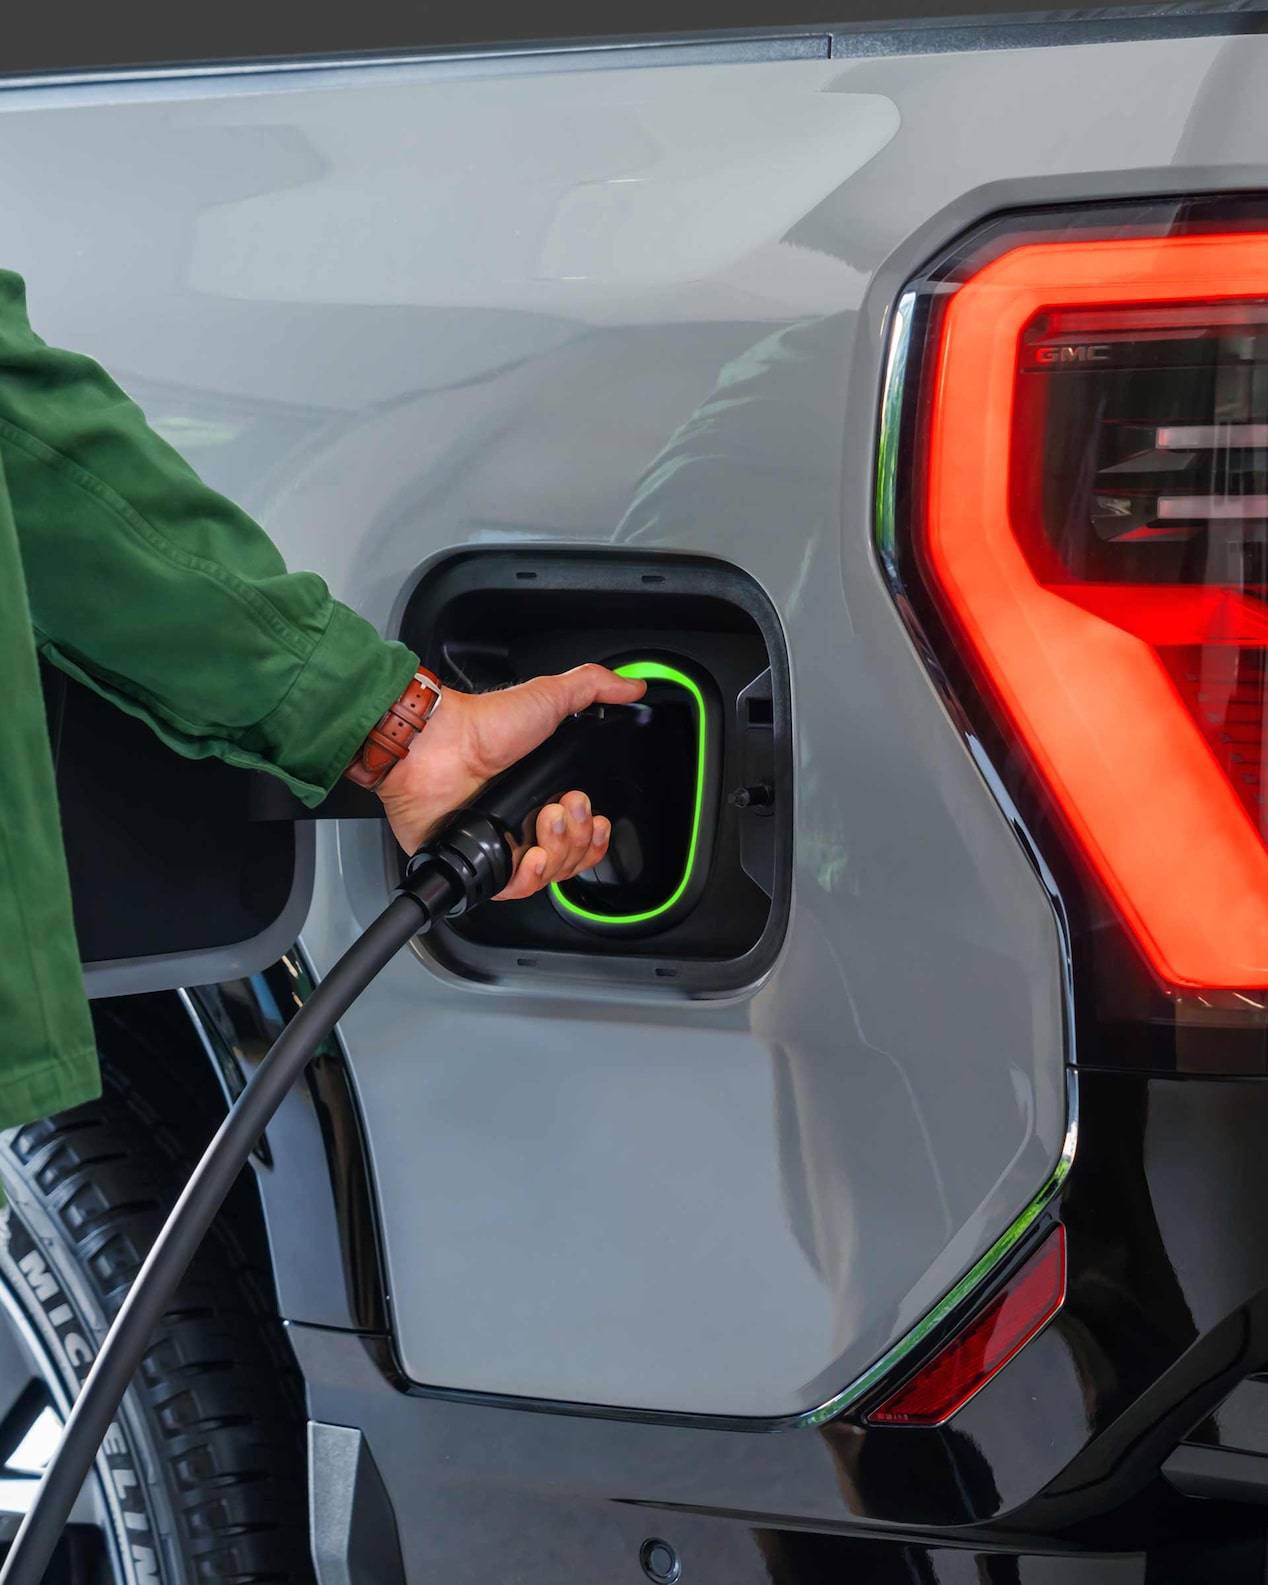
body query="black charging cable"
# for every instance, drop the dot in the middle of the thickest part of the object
(469, 861)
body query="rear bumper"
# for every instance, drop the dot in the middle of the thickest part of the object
(1059, 1456)
(1166, 1313)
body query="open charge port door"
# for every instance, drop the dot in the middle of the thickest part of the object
(697, 783)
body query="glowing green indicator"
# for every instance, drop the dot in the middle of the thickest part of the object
(654, 671)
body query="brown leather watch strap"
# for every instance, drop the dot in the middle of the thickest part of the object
(389, 741)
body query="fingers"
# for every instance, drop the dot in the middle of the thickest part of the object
(570, 838)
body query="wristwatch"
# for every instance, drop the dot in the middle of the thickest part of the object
(389, 741)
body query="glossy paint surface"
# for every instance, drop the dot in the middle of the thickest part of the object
(400, 310)
(1060, 1453)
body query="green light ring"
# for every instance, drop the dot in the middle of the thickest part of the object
(655, 671)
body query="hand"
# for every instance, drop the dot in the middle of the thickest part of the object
(473, 737)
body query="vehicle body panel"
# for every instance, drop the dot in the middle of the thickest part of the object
(660, 323)
(582, 301)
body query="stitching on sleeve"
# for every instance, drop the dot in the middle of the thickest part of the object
(300, 676)
(143, 698)
(299, 644)
(195, 744)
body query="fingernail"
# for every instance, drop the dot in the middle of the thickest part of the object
(559, 825)
(601, 834)
(540, 867)
(580, 807)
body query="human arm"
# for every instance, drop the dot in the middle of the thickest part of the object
(169, 600)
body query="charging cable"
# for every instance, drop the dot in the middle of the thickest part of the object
(469, 861)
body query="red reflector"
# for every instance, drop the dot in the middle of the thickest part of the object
(1096, 525)
(986, 1345)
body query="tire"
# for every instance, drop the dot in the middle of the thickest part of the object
(202, 1477)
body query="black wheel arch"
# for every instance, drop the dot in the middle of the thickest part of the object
(191, 1052)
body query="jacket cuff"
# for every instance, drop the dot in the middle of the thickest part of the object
(345, 685)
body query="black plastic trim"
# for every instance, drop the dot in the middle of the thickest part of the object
(338, 1234)
(1222, 1472)
(351, 1521)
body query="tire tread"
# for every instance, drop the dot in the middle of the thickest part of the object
(219, 1389)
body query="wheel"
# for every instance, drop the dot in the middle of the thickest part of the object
(202, 1475)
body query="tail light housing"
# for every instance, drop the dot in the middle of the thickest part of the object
(1074, 513)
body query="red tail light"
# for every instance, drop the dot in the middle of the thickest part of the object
(1094, 528)
(965, 1364)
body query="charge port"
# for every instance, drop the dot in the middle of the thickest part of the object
(686, 901)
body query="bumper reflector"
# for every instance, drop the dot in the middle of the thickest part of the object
(985, 1345)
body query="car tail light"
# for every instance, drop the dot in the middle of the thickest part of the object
(945, 1383)
(1090, 522)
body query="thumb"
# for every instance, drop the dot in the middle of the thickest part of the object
(512, 722)
(583, 686)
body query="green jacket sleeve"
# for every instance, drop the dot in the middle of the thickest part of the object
(161, 594)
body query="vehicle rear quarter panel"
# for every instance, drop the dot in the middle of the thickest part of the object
(396, 310)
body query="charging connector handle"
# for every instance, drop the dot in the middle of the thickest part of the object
(477, 845)
(470, 860)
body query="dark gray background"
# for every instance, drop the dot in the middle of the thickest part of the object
(86, 37)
